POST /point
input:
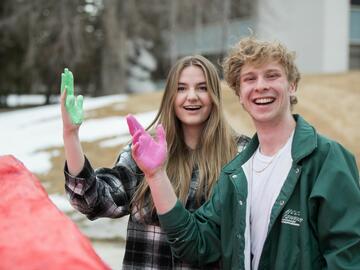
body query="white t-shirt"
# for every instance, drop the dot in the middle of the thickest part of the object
(266, 176)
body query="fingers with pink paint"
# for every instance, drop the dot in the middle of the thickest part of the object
(136, 136)
(133, 124)
(149, 153)
(160, 134)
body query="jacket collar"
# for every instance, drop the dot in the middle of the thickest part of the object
(305, 139)
(304, 143)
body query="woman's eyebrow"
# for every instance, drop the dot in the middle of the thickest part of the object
(201, 83)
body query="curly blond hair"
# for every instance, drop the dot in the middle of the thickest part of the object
(257, 52)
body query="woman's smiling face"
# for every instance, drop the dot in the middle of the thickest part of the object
(193, 103)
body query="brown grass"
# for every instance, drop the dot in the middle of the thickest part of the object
(328, 101)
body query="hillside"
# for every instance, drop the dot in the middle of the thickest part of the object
(329, 102)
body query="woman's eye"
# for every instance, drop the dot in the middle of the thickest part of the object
(181, 88)
(203, 88)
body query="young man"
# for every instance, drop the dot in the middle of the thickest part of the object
(290, 200)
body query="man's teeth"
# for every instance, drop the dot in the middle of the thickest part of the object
(263, 100)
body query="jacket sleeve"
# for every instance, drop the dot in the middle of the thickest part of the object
(338, 209)
(195, 237)
(104, 192)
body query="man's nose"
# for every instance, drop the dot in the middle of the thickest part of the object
(261, 84)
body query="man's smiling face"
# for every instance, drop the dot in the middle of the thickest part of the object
(265, 92)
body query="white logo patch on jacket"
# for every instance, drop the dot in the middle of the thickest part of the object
(291, 217)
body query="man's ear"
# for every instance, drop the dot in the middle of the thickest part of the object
(237, 91)
(238, 95)
(292, 88)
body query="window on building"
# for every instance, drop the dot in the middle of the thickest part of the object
(354, 57)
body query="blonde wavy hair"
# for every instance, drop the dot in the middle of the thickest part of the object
(217, 145)
(256, 52)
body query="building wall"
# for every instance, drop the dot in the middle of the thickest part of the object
(336, 35)
(316, 30)
(211, 38)
(354, 55)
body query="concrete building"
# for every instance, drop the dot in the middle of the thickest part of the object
(354, 62)
(325, 33)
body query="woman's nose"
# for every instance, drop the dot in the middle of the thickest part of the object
(192, 94)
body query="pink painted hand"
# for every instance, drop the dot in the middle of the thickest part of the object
(148, 153)
(133, 124)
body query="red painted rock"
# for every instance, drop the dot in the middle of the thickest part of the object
(34, 234)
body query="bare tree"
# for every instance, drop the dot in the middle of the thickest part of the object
(225, 25)
(173, 27)
(113, 64)
(40, 37)
(198, 24)
(51, 35)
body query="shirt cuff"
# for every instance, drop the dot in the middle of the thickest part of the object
(85, 173)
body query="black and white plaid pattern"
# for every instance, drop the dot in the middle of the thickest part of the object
(107, 192)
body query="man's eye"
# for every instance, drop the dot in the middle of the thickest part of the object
(249, 79)
(273, 75)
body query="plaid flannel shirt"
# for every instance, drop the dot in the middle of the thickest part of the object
(106, 192)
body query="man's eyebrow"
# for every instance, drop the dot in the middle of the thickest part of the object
(246, 73)
(273, 70)
(266, 71)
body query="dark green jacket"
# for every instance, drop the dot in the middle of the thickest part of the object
(314, 223)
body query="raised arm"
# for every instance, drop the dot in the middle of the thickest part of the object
(193, 237)
(72, 117)
(150, 155)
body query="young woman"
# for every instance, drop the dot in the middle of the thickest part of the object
(199, 143)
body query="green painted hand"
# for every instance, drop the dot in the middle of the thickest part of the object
(74, 105)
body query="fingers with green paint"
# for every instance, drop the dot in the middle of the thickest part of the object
(67, 81)
(73, 104)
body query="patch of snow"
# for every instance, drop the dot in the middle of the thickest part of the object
(28, 133)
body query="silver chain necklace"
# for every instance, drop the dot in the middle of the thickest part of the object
(267, 165)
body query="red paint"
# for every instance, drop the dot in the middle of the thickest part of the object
(34, 234)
